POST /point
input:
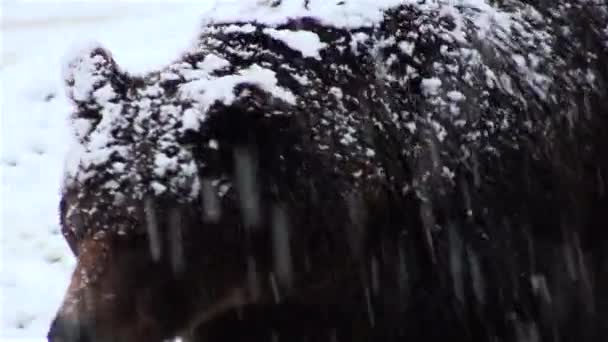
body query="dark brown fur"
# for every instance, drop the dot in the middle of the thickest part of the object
(335, 244)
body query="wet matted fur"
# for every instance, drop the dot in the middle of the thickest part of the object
(424, 178)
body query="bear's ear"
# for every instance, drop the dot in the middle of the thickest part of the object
(93, 78)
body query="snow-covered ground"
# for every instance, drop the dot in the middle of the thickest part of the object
(35, 262)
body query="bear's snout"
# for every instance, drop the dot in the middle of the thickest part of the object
(67, 330)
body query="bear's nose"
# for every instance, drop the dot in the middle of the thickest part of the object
(67, 330)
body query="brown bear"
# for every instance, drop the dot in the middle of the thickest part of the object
(435, 174)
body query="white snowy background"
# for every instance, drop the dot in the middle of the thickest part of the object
(36, 36)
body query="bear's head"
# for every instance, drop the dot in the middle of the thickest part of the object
(185, 194)
(150, 205)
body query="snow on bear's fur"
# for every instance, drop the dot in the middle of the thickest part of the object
(355, 170)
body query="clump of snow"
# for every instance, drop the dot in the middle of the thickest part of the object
(411, 126)
(338, 13)
(431, 86)
(519, 60)
(455, 96)
(88, 67)
(306, 42)
(212, 62)
(407, 47)
(207, 91)
(357, 39)
(213, 144)
(247, 28)
(191, 119)
(447, 173)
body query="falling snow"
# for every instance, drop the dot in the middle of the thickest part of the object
(417, 144)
